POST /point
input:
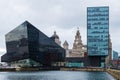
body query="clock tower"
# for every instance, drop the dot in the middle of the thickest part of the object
(77, 50)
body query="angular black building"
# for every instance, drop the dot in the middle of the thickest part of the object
(27, 46)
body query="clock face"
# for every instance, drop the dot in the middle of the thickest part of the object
(76, 42)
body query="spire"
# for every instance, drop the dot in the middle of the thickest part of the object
(65, 43)
(54, 32)
(78, 33)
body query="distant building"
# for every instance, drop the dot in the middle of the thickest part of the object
(55, 37)
(77, 50)
(29, 47)
(119, 62)
(115, 55)
(109, 57)
(115, 63)
(66, 47)
(75, 56)
(75, 62)
(97, 35)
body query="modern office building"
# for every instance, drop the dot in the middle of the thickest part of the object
(115, 55)
(97, 35)
(27, 47)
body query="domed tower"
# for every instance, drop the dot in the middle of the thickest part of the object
(55, 37)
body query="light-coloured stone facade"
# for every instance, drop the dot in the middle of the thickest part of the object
(78, 49)
(66, 47)
(109, 57)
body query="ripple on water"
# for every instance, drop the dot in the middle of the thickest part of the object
(55, 75)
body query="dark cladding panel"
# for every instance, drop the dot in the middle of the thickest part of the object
(16, 44)
(17, 33)
(29, 42)
(33, 39)
(42, 49)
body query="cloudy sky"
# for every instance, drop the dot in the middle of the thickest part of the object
(62, 16)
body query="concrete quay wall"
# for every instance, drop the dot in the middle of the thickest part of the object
(114, 73)
(83, 69)
(62, 69)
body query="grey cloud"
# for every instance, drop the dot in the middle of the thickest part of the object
(64, 14)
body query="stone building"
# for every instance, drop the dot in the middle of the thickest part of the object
(78, 49)
(55, 37)
(75, 56)
(66, 47)
(109, 57)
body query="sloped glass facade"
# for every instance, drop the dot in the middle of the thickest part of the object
(97, 31)
(16, 44)
(28, 43)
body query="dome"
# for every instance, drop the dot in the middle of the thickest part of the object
(55, 36)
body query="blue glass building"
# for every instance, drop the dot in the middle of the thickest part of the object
(97, 34)
(115, 55)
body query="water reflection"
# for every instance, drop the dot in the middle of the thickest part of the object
(55, 75)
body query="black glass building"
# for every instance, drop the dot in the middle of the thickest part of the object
(27, 46)
(97, 34)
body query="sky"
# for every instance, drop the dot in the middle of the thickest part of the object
(62, 16)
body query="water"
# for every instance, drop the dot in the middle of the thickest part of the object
(55, 75)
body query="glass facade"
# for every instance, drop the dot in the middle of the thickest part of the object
(97, 31)
(25, 63)
(16, 44)
(28, 43)
(74, 64)
(115, 55)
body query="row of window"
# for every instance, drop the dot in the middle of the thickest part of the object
(97, 19)
(98, 44)
(96, 27)
(98, 53)
(100, 23)
(97, 10)
(102, 36)
(97, 32)
(94, 49)
(94, 15)
(89, 27)
(98, 40)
